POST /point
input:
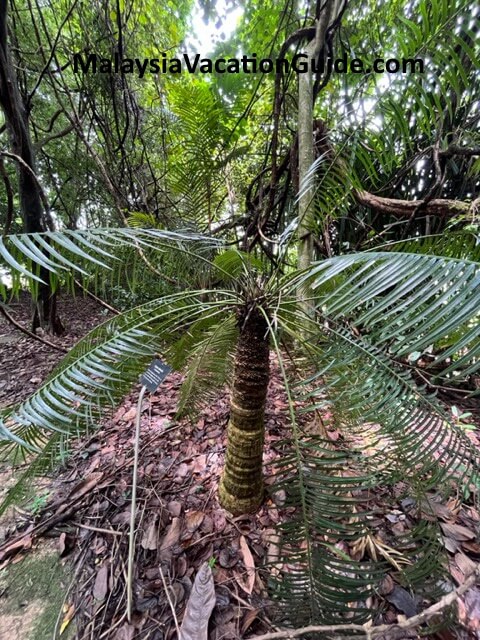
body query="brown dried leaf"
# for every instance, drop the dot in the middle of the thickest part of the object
(24, 543)
(469, 609)
(150, 537)
(248, 618)
(457, 532)
(80, 489)
(66, 543)
(227, 558)
(100, 588)
(249, 565)
(465, 564)
(439, 509)
(170, 539)
(193, 519)
(69, 612)
(387, 585)
(126, 632)
(175, 508)
(472, 546)
(129, 415)
(450, 544)
(199, 606)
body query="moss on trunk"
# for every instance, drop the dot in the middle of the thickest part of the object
(241, 486)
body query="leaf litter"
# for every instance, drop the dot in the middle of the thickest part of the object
(180, 525)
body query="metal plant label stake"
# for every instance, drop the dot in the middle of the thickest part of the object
(151, 380)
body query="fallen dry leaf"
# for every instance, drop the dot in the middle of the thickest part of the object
(150, 537)
(126, 632)
(228, 558)
(24, 543)
(247, 585)
(403, 601)
(248, 618)
(457, 531)
(387, 585)
(100, 588)
(170, 539)
(80, 489)
(199, 606)
(469, 609)
(66, 543)
(129, 415)
(465, 564)
(69, 612)
(450, 544)
(193, 519)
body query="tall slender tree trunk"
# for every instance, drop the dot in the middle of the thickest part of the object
(241, 486)
(306, 208)
(33, 214)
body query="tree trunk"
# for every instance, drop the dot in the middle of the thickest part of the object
(33, 214)
(306, 208)
(241, 486)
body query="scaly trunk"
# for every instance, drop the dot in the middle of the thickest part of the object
(241, 486)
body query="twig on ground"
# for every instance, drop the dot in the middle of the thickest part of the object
(373, 632)
(97, 299)
(30, 334)
(172, 607)
(131, 544)
(111, 532)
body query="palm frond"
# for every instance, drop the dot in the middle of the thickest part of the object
(312, 578)
(96, 374)
(406, 302)
(398, 442)
(86, 251)
(207, 354)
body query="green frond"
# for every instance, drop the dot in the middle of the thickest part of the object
(86, 252)
(232, 264)
(405, 302)
(142, 220)
(398, 443)
(407, 430)
(96, 374)
(463, 244)
(314, 576)
(207, 353)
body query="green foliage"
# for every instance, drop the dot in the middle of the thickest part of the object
(372, 310)
(376, 313)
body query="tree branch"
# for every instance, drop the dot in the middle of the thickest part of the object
(9, 192)
(437, 207)
(28, 168)
(380, 630)
(456, 150)
(30, 334)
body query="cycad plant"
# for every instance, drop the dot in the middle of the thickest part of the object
(375, 314)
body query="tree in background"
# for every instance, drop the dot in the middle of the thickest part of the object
(33, 207)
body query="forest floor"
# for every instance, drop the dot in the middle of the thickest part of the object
(73, 526)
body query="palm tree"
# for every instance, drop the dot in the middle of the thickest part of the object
(354, 349)
(375, 313)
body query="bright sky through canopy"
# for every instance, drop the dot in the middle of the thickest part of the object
(205, 35)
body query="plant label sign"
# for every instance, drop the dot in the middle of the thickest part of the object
(155, 374)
